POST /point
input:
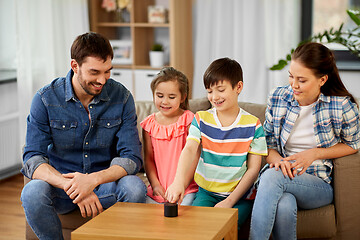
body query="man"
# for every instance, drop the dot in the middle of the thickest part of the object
(82, 146)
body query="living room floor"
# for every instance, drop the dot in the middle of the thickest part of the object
(12, 217)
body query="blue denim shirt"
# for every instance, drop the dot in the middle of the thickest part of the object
(59, 131)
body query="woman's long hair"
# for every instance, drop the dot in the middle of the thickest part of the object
(321, 61)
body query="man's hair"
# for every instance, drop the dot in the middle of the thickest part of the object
(223, 69)
(91, 44)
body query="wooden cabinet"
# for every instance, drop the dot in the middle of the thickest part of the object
(175, 35)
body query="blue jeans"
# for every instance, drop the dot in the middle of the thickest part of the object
(277, 200)
(42, 202)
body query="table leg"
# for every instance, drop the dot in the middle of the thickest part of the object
(233, 233)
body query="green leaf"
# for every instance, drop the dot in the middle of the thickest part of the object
(348, 38)
(354, 16)
(281, 64)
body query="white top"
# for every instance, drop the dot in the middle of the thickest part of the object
(302, 136)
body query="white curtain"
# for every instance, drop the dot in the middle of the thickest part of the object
(45, 30)
(256, 33)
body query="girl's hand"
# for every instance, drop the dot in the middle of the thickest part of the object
(159, 191)
(175, 193)
(302, 160)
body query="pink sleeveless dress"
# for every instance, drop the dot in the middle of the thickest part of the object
(167, 142)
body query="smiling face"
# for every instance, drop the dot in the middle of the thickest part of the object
(223, 96)
(167, 98)
(305, 84)
(90, 77)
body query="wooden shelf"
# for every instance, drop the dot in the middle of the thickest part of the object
(151, 25)
(113, 24)
(178, 33)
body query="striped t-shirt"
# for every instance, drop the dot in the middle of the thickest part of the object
(224, 149)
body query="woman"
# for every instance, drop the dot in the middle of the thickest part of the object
(308, 123)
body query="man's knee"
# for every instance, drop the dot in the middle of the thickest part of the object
(35, 195)
(134, 189)
(35, 190)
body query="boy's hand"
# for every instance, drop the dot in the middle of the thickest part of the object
(224, 204)
(175, 193)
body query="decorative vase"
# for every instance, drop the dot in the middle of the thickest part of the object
(156, 58)
(122, 15)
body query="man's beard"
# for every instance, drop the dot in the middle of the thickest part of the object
(84, 87)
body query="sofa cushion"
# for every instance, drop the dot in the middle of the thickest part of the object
(258, 110)
(317, 223)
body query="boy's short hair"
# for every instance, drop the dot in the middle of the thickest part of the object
(223, 69)
(91, 44)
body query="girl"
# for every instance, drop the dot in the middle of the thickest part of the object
(308, 123)
(165, 134)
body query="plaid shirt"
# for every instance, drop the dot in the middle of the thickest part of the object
(336, 119)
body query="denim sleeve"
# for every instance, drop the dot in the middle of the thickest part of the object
(37, 137)
(32, 164)
(128, 145)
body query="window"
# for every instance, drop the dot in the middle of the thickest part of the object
(320, 15)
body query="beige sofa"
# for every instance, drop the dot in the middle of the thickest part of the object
(340, 220)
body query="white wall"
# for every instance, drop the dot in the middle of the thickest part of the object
(351, 80)
(8, 35)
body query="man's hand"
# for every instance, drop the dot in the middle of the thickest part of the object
(90, 206)
(79, 186)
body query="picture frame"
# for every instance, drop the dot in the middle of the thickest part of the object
(122, 51)
(157, 14)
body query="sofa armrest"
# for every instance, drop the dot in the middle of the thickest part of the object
(347, 196)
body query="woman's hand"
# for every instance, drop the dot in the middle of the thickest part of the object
(285, 167)
(302, 160)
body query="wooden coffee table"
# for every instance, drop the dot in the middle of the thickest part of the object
(147, 221)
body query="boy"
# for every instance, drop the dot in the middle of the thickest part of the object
(231, 142)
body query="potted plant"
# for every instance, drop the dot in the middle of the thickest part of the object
(157, 55)
(348, 38)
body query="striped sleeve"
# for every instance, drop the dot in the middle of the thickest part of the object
(258, 145)
(194, 130)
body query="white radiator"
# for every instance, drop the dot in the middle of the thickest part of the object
(10, 156)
